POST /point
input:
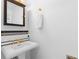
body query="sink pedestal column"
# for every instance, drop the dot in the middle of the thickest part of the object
(25, 55)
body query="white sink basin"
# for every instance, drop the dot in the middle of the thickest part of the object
(11, 51)
(22, 45)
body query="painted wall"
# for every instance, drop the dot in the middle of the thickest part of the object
(6, 27)
(58, 37)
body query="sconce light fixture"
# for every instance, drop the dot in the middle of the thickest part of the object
(40, 19)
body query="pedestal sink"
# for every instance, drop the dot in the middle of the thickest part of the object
(11, 51)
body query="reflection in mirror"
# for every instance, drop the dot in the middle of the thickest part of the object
(14, 13)
(21, 1)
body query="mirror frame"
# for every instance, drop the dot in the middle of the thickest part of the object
(5, 12)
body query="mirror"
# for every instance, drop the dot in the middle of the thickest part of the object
(14, 13)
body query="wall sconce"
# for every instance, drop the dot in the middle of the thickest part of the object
(40, 19)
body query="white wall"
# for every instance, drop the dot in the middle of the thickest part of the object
(8, 27)
(58, 37)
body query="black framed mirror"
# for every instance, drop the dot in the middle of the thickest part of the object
(14, 13)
